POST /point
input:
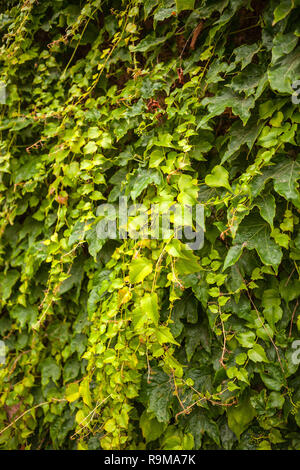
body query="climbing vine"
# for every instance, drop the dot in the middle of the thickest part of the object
(132, 343)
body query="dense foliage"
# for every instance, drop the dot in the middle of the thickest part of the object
(143, 344)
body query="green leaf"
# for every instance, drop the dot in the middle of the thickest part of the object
(95, 243)
(276, 121)
(241, 358)
(227, 99)
(84, 390)
(188, 190)
(184, 5)
(257, 354)
(75, 278)
(254, 232)
(264, 445)
(233, 256)
(151, 428)
(27, 171)
(148, 6)
(285, 175)
(219, 177)
(164, 335)
(283, 44)
(71, 370)
(248, 80)
(282, 239)
(156, 157)
(199, 424)
(271, 303)
(141, 180)
(161, 14)
(72, 392)
(49, 370)
(245, 53)
(25, 315)
(77, 233)
(90, 147)
(72, 170)
(246, 339)
(174, 439)
(139, 269)
(275, 400)
(240, 416)
(241, 135)
(149, 307)
(149, 42)
(159, 395)
(282, 10)
(192, 340)
(272, 377)
(187, 263)
(289, 289)
(267, 207)
(7, 281)
(284, 72)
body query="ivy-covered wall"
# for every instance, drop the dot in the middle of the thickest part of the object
(144, 344)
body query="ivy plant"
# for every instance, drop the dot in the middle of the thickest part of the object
(143, 344)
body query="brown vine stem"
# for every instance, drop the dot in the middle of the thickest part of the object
(270, 337)
(91, 88)
(263, 325)
(221, 360)
(189, 408)
(148, 367)
(90, 414)
(174, 274)
(176, 391)
(16, 361)
(292, 319)
(28, 411)
(157, 266)
(78, 43)
(55, 289)
(288, 279)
